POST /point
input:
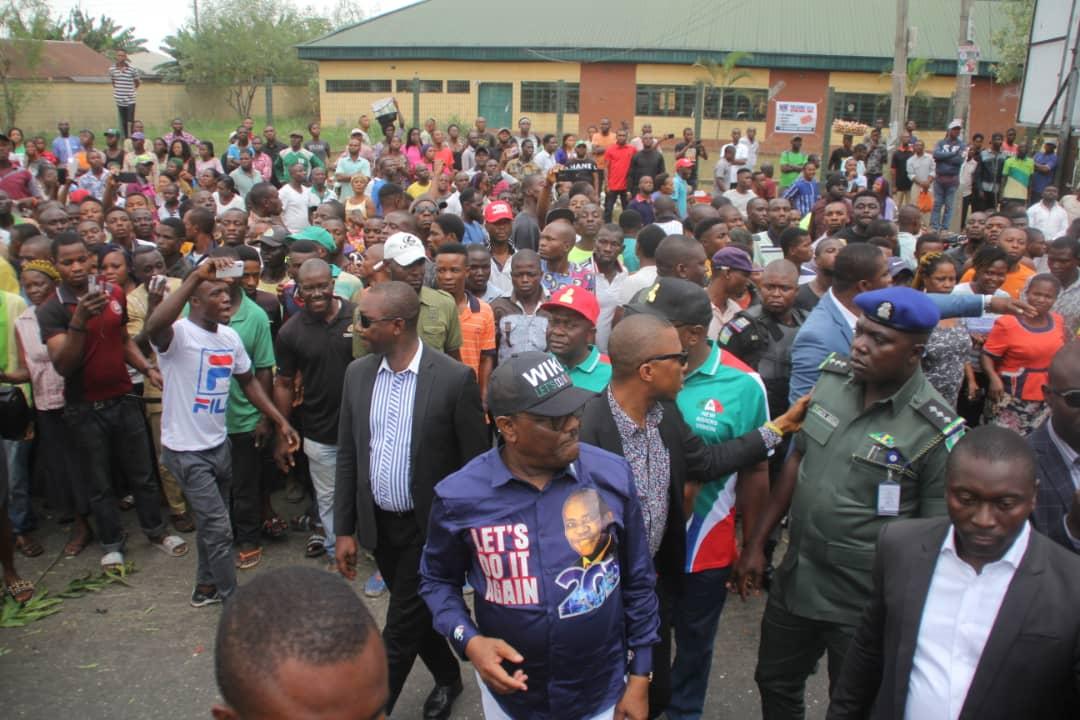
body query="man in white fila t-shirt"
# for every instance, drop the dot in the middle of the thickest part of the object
(199, 356)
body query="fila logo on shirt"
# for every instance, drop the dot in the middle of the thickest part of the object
(212, 391)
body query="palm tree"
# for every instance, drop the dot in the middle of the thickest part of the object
(917, 72)
(722, 76)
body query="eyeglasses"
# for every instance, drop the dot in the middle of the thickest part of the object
(366, 322)
(683, 357)
(555, 424)
(1071, 397)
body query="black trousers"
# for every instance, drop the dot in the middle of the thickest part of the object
(609, 202)
(408, 630)
(126, 114)
(667, 590)
(246, 505)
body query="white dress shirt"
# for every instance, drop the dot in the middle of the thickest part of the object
(849, 316)
(1052, 221)
(960, 611)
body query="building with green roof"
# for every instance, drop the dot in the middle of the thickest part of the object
(808, 61)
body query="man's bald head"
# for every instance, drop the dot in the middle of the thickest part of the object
(675, 250)
(522, 257)
(1065, 368)
(403, 220)
(696, 214)
(397, 299)
(781, 269)
(37, 247)
(664, 206)
(313, 271)
(633, 341)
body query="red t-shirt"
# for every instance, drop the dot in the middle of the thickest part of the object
(618, 165)
(16, 183)
(103, 374)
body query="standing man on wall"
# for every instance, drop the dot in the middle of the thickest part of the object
(125, 79)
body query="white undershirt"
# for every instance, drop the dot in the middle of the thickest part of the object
(849, 317)
(960, 611)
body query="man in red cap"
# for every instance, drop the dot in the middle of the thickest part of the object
(571, 331)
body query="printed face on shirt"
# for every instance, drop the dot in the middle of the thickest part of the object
(585, 519)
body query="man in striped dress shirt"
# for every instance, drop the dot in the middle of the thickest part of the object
(125, 79)
(403, 394)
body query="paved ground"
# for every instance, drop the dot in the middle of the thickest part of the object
(143, 652)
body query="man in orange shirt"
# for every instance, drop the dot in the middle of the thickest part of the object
(1014, 242)
(601, 141)
(477, 320)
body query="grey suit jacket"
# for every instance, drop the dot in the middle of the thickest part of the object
(448, 430)
(1030, 666)
(1055, 488)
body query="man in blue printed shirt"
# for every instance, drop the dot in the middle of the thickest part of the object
(551, 535)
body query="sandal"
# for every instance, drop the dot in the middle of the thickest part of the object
(304, 523)
(28, 546)
(274, 528)
(76, 545)
(182, 522)
(21, 591)
(112, 561)
(247, 559)
(172, 546)
(316, 546)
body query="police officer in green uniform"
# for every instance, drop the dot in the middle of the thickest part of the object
(872, 448)
(571, 330)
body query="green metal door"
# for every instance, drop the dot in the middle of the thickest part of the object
(496, 103)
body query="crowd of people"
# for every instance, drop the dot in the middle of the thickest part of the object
(464, 360)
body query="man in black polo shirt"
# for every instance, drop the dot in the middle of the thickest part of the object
(317, 343)
(85, 330)
(865, 209)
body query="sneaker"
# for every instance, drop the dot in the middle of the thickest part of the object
(374, 587)
(202, 599)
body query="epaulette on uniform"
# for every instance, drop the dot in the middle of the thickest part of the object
(836, 363)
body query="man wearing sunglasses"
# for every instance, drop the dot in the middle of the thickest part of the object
(549, 531)
(1057, 453)
(637, 418)
(410, 416)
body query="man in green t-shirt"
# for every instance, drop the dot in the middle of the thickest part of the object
(791, 163)
(1016, 173)
(571, 330)
(248, 429)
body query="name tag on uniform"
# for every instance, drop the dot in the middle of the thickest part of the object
(888, 499)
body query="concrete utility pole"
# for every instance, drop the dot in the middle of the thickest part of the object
(899, 73)
(963, 82)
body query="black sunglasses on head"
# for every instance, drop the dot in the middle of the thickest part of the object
(1071, 397)
(683, 357)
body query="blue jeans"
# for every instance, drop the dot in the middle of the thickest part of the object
(20, 511)
(322, 463)
(696, 615)
(205, 477)
(944, 198)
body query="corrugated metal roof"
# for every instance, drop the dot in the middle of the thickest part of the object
(820, 32)
(60, 60)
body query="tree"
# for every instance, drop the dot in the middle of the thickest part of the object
(1011, 40)
(22, 26)
(918, 70)
(723, 76)
(102, 34)
(240, 45)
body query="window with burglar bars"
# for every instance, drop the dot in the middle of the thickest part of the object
(543, 97)
(460, 87)
(665, 100)
(426, 86)
(861, 107)
(739, 104)
(930, 112)
(358, 86)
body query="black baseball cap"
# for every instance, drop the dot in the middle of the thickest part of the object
(678, 301)
(533, 382)
(559, 214)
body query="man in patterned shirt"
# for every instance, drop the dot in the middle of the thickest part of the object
(556, 241)
(125, 79)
